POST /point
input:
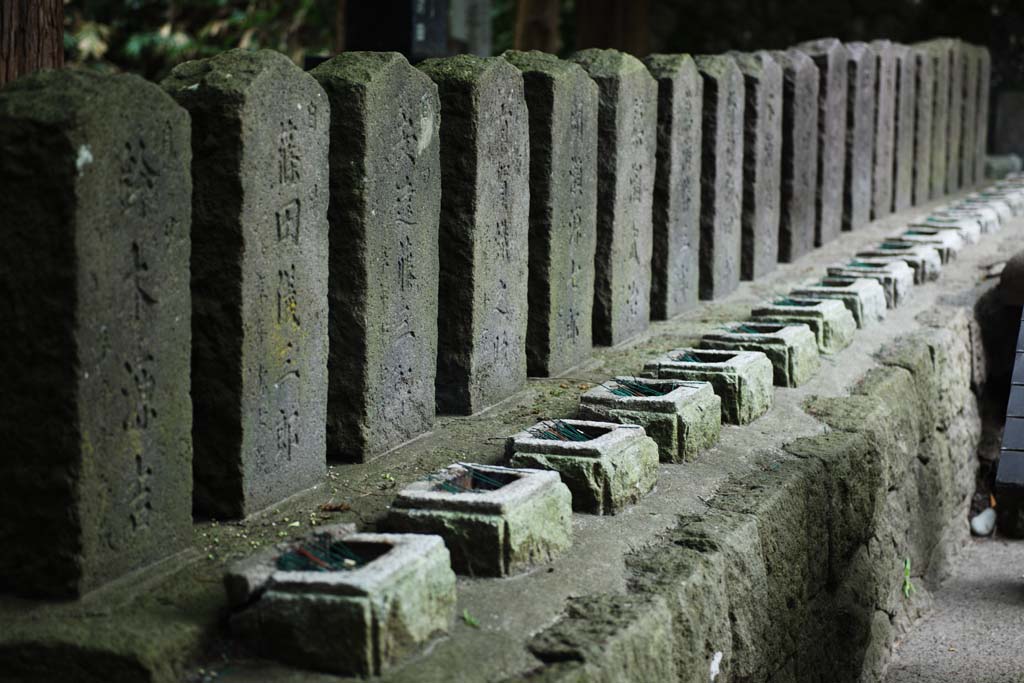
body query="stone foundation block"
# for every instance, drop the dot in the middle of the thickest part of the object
(392, 593)
(607, 466)
(896, 278)
(969, 229)
(1012, 196)
(947, 242)
(990, 213)
(495, 520)
(684, 418)
(925, 260)
(743, 379)
(863, 297)
(833, 325)
(792, 349)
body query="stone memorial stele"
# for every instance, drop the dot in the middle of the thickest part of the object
(924, 110)
(762, 162)
(485, 210)
(799, 154)
(885, 129)
(862, 73)
(903, 150)
(385, 197)
(96, 207)
(939, 54)
(627, 141)
(956, 114)
(969, 123)
(984, 86)
(562, 101)
(260, 135)
(675, 271)
(721, 170)
(831, 57)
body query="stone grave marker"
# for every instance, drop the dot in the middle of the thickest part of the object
(926, 261)
(762, 162)
(832, 324)
(721, 170)
(984, 86)
(831, 58)
(485, 209)
(385, 197)
(375, 598)
(791, 348)
(495, 520)
(903, 150)
(563, 104)
(938, 52)
(956, 114)
(675, 270)
(742, 379)
(896, 278)
(860, 135)
(924, 110)
(260, 134)
(947, 242)
(607, 466)
(885, 129)
(96, 207)
(863, 297)
(799, 154)
(684, 418)
(969, 123)
(627, 140)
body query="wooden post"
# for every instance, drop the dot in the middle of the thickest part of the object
(31, 37)
(537, 25)
(619, 24)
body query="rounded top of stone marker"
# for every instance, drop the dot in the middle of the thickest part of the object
(821, 47)
(670, 65)
(759, 64)
(71, 96)
(793, 60)
(535, 61)
(716, 66)
(605, 63)
(232, 72)
(363, 67)
(467, 69)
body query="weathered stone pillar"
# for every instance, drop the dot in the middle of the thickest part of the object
(984, 86)
(799, 154)
(956, 114)
(385, 197)
(762, 162)
(259, 277)
(969, 124)
(885, 129)
(831, 57)
(860, 135)
(903, 152)
(485, 211)
(562, 101)
(938, 51)
(627, 142)
(721, 170)
(675, 269)
(924, 109)
(94, 357)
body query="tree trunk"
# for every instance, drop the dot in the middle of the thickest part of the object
(537, 25)
(619, 24)
(31, 37)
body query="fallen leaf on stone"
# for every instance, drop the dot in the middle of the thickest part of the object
(335, 507)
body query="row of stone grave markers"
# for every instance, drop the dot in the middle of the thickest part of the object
(390, 593)
(229, 279)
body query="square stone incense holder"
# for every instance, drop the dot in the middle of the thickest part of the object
(897, 278)
(792, 348)
(947, 242)
(863, 297)
(495, 520)
(607, 466)
(742, 379)
(684, 418)
(343, 602)
(968, 228)
(833, 325)
(925, 260)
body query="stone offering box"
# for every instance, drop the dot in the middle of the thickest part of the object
(863, 297)
(791, 348)
(607, 466)
(743, 379)
(947, 242)
(925, 260)
(684, 418)
(896, 278)
(343, 602)
(969, 229)
(494, 520)
(833, 325)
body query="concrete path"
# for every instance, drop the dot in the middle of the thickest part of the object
(975, 631)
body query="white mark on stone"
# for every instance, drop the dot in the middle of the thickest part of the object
(299, 106)
(426, 131)
(194, 86)
(716, 663)
(84, 158)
